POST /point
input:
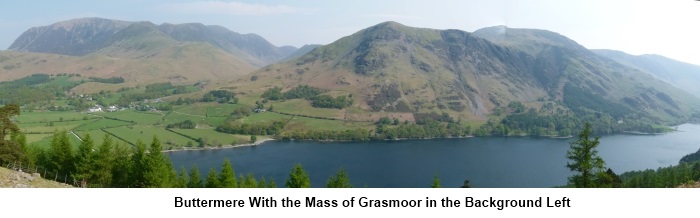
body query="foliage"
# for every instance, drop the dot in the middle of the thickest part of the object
(111, 80)
(221, 96)
(252, 129)
(298, 178)
(585, 160)
(227, 178)
(302, 91)
(195, 180)
(663, 177)
(436, 182)
(187, 124)
(691, 157)
(339, 180)
(274, 93)
(326, 101)
(10, 150)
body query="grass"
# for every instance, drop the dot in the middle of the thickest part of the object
(46, 142)
(98, 137)
(55, 116)
(133, 134)
(303, 107)
(47, 128)
(221, 110)
(135, 116)
(102, 124)
(302, 123)
(31, 138)
(213, 137)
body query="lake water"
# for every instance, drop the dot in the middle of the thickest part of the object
(485, 161)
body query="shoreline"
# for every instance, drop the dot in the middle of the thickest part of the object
(222, 147)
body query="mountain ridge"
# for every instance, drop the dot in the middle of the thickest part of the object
(83, 36)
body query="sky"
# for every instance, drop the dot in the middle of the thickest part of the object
(666, 27)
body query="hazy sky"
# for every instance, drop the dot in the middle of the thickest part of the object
(666, 27)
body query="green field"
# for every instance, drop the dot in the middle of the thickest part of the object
(213, 137)
(146, 133)
(51, 126)
(98, 137)
(303, 107)
(102, 124)
(302, 123)
(31, 138)
(55, 116)
(221, 110)
(149, 118)
(46, 142)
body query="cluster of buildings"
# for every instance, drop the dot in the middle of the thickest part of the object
(99, 108)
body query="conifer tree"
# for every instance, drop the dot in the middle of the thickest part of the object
(158, 172)
(436, 182)
(61, 154)
(182, 178)
(121, 166)
(262, 183)
(138, 163)
(212, 179)
(103, 162)
(272, 183)
(85, 160)
(339, 180)
(586, 162)
(250, 181)
(227, 178)
(195, 179)
(298, 178)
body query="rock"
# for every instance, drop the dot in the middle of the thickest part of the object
(20, 186)
(36, 175)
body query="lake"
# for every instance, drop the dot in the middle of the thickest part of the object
(485, 161)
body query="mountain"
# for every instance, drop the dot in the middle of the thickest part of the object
(392, 68)
(84, 36)
(680, 74)
(301, 51)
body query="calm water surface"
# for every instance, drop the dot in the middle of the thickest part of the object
(485, 161)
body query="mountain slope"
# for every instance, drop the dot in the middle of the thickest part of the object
(75, 37)
(392, 68)
(84, 36)
(682, 75)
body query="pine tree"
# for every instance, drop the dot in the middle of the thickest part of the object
(586, 162)
(182, 178)
(272, 183)
(103, 162)
(138, 163)
(158, 172)
(250, 181)
(121, 166)
(10, 150)
(195, 178)
(262, 183)
(340, 180)
(61, 154)
(298, 178)
(85, 160)
(227, 178)
(212, 179)
(436, 182)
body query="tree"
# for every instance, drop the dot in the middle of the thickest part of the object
(102, 164)
(61, 154)
(121, 166)
(85, 160)
(212, 179)
(339, 180)
(138, 163)
(436, 182)
(181, 181)
(195, 179)
(298, 178)
(585, 160)
(227, 178)
(253, 138)
(158, 170)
